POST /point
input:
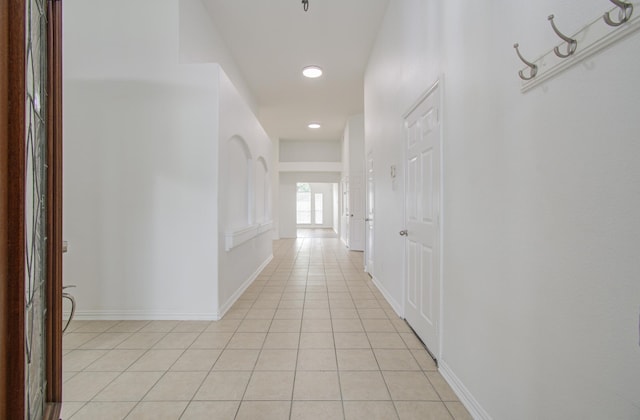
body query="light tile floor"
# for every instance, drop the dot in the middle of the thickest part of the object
(316, 233)
(311, 338)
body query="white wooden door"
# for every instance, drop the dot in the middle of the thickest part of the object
(422, 216)
(357, 208)
(368, 251)
(344, 218)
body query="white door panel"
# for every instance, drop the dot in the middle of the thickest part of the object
(369, 217)
(345, 219)
(423, 175)
(357, 209)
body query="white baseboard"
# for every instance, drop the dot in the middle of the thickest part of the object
(229, 303)
(471, 404)
(394, 304)
(134, 315)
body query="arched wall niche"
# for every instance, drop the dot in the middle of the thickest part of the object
(239, 184)
(262, 192)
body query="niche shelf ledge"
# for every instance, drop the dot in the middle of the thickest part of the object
(240, 236)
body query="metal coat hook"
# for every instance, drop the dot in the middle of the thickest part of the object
(572, 44)
(625, 10)
(305, 5)
(533, 69)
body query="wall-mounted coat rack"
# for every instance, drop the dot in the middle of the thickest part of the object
(608, 28)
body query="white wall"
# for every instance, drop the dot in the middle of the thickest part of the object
(354, 138)
(309, 151)
(141, 174)
(200, 42)
(240, 265)
(541, 196)
(138, 145)
(287, 208)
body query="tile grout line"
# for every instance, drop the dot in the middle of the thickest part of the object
(155, 383)
(295, 367)
(290, 260)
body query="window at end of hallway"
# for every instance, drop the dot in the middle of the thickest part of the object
(303, 204)
(318, 208)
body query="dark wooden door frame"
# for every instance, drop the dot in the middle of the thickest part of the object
(12, 210)
(54, 208)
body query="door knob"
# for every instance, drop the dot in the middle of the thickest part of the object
(404, 233)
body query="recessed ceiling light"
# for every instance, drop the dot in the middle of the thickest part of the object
(312, 72)
(314, 125)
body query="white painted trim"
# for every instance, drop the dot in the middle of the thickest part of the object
(398, 308)
(134, 315)
(264, 227)
(240, 236)
(421, 99)
(442, 213)
(310, 167)
(466, 398)
(229, 303)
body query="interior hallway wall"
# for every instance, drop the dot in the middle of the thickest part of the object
(200, 42)
(541, 196)
(138, 147)
(239, 266)
(141, 165)
(309, 151)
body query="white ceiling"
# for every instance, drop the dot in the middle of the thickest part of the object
(272, 40)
